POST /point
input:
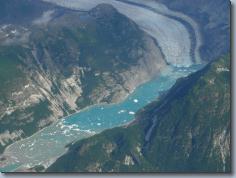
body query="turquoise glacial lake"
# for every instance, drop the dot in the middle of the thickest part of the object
(45, 146)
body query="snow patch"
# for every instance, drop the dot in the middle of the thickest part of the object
(44, 19)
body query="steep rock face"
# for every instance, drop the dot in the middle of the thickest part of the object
(59, 61)
(186, 130)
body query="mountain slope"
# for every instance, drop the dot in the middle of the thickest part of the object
(187, 130)
(55, 61)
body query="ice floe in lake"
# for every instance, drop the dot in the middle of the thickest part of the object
(65, 132)
(136, 100)
(121, 111)
(132, 113)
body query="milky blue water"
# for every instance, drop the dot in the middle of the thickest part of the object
(45, 146)
(107, 116)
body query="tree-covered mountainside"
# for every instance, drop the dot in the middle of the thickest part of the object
(55, 61)
(186, 130)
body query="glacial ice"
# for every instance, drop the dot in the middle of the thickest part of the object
(171, 35)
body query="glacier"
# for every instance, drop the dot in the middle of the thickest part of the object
(154, 18)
